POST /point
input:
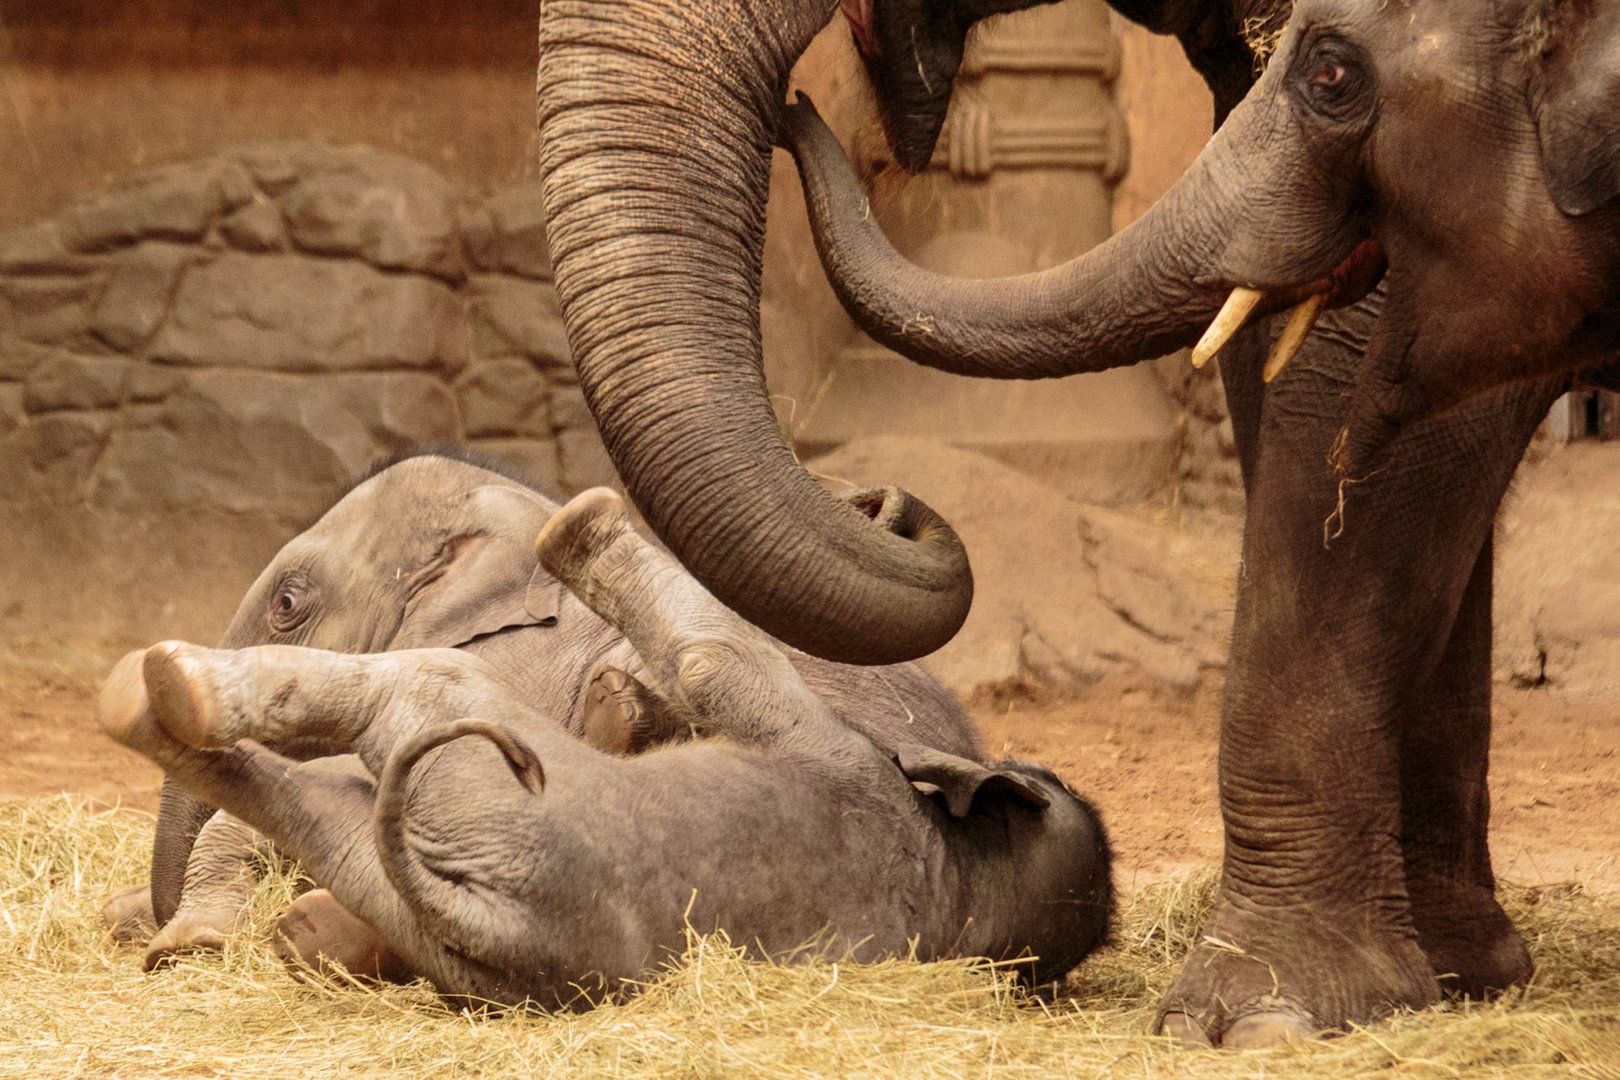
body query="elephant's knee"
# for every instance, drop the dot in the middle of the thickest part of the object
(713, 671)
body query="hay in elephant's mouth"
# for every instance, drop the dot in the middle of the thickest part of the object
(73, 1004)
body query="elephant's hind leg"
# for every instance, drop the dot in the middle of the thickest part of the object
(699, 654)
(313, 703)
(318, 812)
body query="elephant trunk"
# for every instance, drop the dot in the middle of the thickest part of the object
(656, 122)
(1134, 297)
(1239, 223)
(181, 816)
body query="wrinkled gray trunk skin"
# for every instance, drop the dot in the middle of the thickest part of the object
(655, 134)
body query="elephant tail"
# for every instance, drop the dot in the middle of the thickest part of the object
(431, 897)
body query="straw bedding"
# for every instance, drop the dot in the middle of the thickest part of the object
(72, 1003)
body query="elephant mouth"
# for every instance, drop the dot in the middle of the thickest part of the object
(1353, 278)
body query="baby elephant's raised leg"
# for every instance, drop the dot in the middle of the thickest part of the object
(318, 812)
(313, 703)
(698, 653)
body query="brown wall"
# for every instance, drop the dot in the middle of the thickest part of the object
(90, 90)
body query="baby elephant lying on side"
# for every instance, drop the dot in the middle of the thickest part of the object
(437, 551)
(508, 869)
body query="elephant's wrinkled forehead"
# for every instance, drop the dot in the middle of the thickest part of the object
(404, 506)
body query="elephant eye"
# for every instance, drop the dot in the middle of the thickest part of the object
(289, 607)
(1334, 82)
(1329, 73)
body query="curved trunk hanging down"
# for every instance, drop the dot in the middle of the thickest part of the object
(655, 138)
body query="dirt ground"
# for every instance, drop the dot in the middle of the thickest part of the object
(1145, 759)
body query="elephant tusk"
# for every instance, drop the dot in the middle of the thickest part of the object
(1300, 321)
(1229, 321)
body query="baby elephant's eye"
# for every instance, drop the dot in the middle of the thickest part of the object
(1328, 74)
(288, 607)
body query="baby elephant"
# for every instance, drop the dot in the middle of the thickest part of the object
(436, 550)
(509, 868)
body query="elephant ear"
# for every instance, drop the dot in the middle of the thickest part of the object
(963, 785)
(490, 580)
(1576, 100)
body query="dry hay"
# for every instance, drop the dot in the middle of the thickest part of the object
(74, 1004)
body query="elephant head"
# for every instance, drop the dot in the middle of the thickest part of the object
(433, 553)
(1467, 152)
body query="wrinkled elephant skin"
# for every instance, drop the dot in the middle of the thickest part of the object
(785, 828)
(1355, 735)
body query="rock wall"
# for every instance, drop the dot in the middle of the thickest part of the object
(195, 362)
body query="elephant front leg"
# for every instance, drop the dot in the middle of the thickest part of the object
(1342, 618)
(1445, 811)
(219, 887)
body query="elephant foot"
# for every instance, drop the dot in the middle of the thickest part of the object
(1260, 980)
(182, 693)
(316, 933)
(123, 702)
(1472, 945)
(623, 717)
(127, 914)
(188, 932)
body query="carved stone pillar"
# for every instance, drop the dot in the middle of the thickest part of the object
(1021, 180)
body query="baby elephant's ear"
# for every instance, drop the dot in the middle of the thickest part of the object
(1575, 94)
(490, 581)
(960, 782)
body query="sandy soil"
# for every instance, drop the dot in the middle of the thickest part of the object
(1146, 760)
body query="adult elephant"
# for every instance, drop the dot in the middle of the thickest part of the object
(1356, 717)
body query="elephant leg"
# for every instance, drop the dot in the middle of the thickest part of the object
(709, 663)
(314, 703)
(318, 813)
(316, 933)
(219, 888)
(1347, 599)
(623, 717)
(1445, 810)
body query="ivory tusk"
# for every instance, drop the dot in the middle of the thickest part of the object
(1229, 321)
(1300, 321)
